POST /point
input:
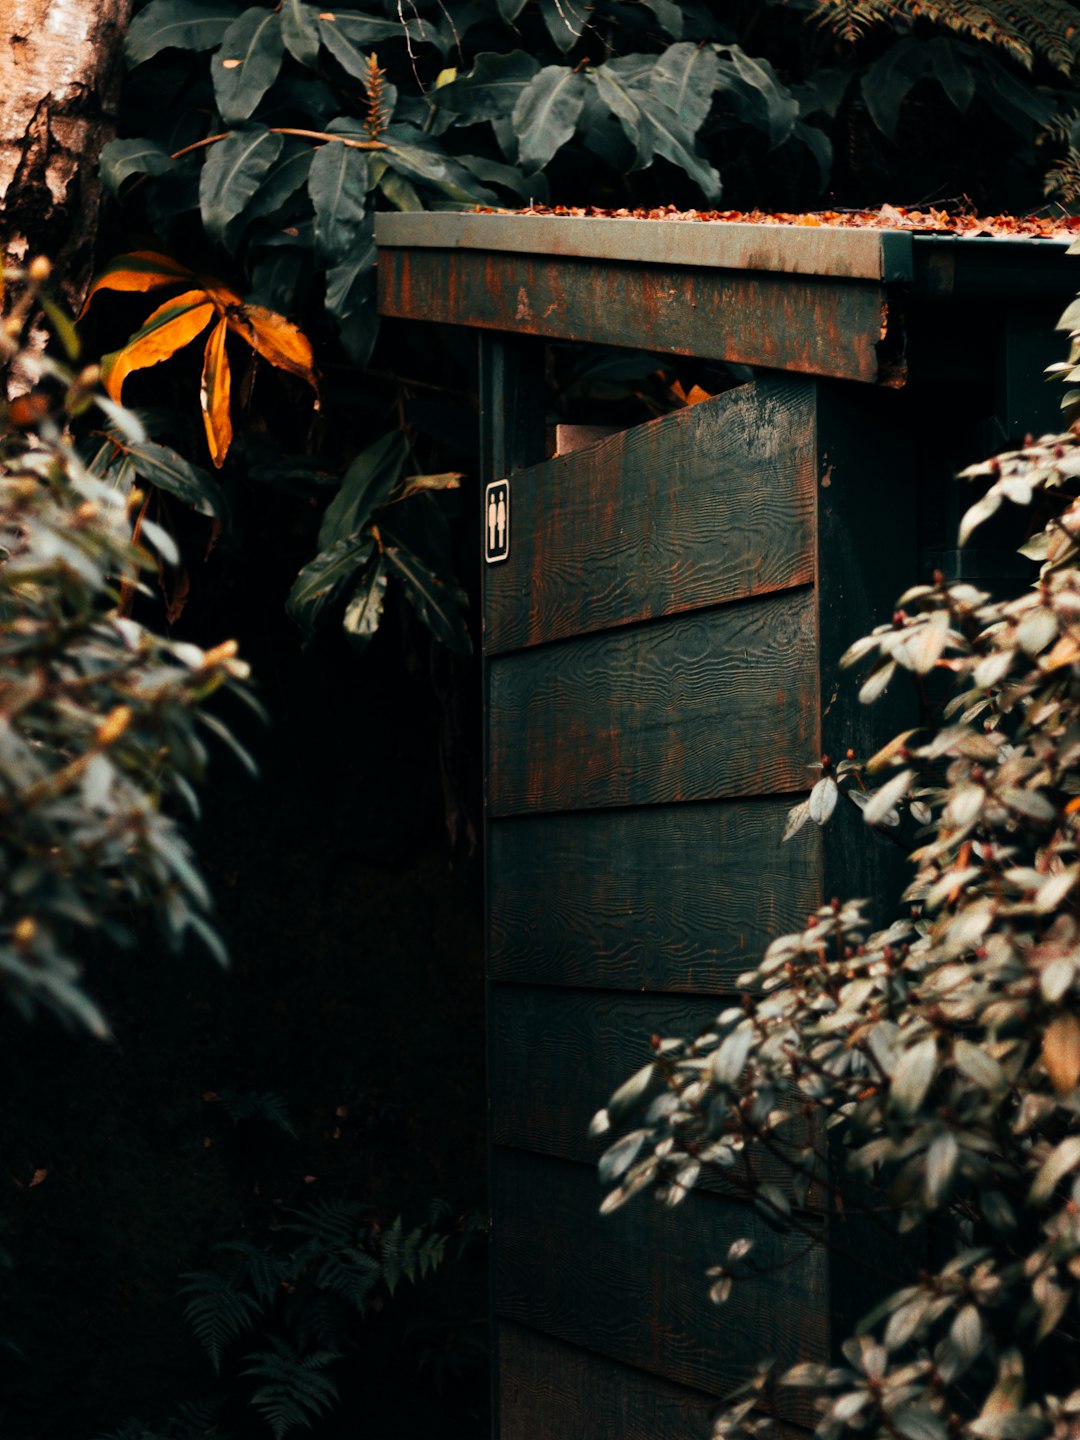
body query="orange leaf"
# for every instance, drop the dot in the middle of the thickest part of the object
(276, 339)
(37, 1178)
(1061, 1053)
(139, 271)
(214, 394)
(171, 327)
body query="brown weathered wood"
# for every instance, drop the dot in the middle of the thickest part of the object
(632, 1285)
(709, 504)
(678, 898)
(556, 1056)
(552, 1391)
(722, 702)
(811, 324)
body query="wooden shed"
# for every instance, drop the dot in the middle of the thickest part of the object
(663, 615)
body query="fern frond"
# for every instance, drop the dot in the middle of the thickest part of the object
(217, 1312)
(318, 1319)
(1062, 180)
(197, 1420)
(294, 1391)
(1026, 30)
(263, 1105)
(330, 1224)
(261, 1271)
(353, 1277)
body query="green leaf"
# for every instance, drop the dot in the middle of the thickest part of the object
(401, 193)
(668, 15)
(232, 175)
(285, 177)
(121, 159)
(350, 298)
(546, 114)
(670, 139)
(345, 32)
(565, 20)
(247, 63)
(492, 87)
(322, 579)
(366, 484)
(337, 185)
(890, 79)
(364, 611)
(495, 173)
(509, 10)
(169, 471)
(300, 31)
(684, 79)
(758, 96)
(419, 157)
(614, 89)
(177, 24)
(440, 606)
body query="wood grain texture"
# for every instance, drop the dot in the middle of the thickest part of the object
(556, 1055)
(722, 702)
(815, 325)
(632, 1285)
(711, 503)
(552, 1391)
(673, 898)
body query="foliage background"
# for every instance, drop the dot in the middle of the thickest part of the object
(347, 878)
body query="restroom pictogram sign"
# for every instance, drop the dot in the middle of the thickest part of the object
(497, 521)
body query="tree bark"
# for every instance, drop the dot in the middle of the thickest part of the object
(61, 65)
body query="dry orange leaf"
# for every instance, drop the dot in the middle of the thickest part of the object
(139, 271)
(171, 327)
(214, 394)
(276, 339)
(37, 1177)
(1061, 1053)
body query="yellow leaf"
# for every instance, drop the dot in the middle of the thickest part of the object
(276, 339)
(214, 394)
(140, 270)
(171, 327)
(1061, 1053)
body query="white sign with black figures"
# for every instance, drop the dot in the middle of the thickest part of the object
(497, 521)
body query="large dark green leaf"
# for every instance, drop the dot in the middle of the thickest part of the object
(121, 159)
(565, 21)
(440, 606)
(247, 63)
(419, 157)
(276, 276)
(288, 174)
(509, 10)
(684, 79)
(232, 175)
(322, 579)
(350, 298)
(491, 88)
(953, 71)
(300, 31)
(890, 79)
(755, 93)
(337, 185)
(169, 471)
(345, 33)
(668, 15)
(546, 114)
(495, 173)
(364, 611)
(616, 88)
(366, 485)
(177, 24)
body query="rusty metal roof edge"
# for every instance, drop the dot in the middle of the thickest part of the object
(828, 250)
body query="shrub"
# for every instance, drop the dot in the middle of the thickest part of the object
(933, 1067)
(101, 719)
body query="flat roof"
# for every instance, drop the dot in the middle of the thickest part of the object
(842, 251)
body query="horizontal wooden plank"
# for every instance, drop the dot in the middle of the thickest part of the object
(632, 1285)
(552, 1391)
(812, 324)
(720, 702)
(857, 253)
(711, 503)
(678, 898)
(556, 1055)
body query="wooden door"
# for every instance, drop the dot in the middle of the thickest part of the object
(660, 644)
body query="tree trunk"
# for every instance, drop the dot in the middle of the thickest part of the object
(61, 64)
